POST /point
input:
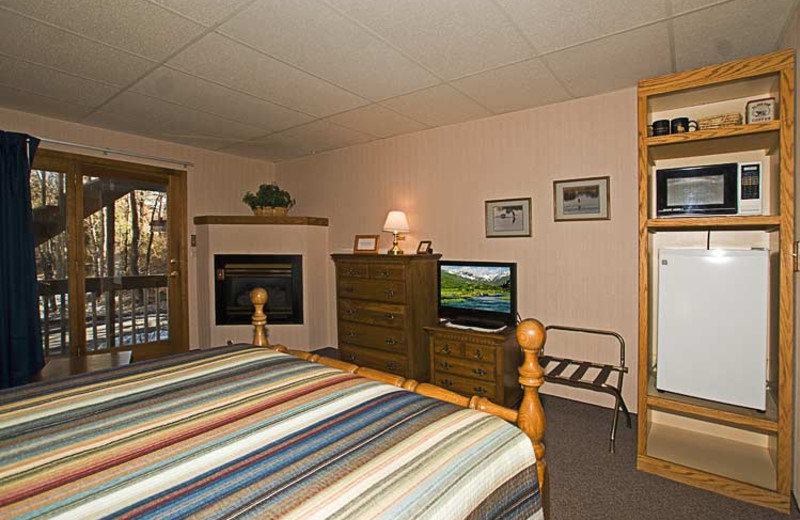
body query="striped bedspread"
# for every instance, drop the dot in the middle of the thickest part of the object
(244, 432)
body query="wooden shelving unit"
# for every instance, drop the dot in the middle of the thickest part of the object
(731, 450)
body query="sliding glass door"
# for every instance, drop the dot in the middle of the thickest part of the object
(110, 255)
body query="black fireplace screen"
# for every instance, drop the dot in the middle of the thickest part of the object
(237, 275)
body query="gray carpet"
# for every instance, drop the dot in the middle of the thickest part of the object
(587, 482)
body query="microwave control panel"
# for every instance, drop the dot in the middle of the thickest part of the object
(750, 188)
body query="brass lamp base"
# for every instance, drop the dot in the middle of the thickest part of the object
(395, 250)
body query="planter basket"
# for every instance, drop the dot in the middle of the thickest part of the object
(270, 212)
(719, 121)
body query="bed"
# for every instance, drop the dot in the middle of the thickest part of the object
(251, 431)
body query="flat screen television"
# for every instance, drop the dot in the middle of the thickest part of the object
(478, 294)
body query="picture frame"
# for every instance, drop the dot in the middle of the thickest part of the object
(424, 248)
(508, 218)
(366, 244)
(760, 110)
(588, 198)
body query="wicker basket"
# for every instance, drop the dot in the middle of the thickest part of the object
(270, 212)
(719, 121)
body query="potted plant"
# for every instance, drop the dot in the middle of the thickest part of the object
(269, 201)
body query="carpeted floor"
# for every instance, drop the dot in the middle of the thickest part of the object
(587, 482)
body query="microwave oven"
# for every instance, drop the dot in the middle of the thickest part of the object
(713, 189)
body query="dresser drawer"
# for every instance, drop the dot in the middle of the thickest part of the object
(371, 336)
(464, 386)
(448, 347)
(375, 290)
(479, 352)
(352, 270)
(387, 272)
(386, 315)
(462, 367)
(379, 360)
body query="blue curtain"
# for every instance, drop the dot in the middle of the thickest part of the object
(21, 353)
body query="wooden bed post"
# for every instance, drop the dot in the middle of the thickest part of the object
(531, 336)
(259, 298)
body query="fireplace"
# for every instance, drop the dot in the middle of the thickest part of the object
(237, 275)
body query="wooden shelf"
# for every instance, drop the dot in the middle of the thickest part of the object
(264, 221)
(765, 223)
(716, 133)
(719, 412)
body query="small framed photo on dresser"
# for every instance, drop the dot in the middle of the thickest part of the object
(366, 244)
(424, 248)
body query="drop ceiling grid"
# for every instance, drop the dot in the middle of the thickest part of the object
(500, 77)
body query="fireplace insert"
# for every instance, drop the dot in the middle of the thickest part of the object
(237, 275)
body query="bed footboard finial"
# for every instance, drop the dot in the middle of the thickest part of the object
(531, 336)
(258, 297)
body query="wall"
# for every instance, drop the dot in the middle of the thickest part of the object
(574, 273)
(216, 182)
(791, 40)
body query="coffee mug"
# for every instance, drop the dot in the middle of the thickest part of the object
(661, 127)
(680, 125)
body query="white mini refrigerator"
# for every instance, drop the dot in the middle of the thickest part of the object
(712, 324)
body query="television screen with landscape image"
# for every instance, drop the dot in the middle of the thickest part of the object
(476, 287)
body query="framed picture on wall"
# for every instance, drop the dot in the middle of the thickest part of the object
(582, 199)
(366, 244)
(508, 218)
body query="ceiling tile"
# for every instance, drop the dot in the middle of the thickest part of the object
(453, 38)
(437, 106)
(36, 79)
(339, 51)
(681, 6)
(219, 59)
(134, 25)
(171, 85)
(320, 136)
(39, 43)
(207, 12)
(272, 149)
(377, 121)
(36, 104)
(513, 87)
(615, 62)
(574, 21)
(721, 33)
(171, 120)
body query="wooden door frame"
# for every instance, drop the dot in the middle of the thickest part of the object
(75, 166)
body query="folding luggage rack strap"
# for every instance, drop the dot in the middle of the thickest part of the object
(554, 368)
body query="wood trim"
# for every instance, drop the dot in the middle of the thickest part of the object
(715, 133)
(178, 230)
(253, 220)
(530, 418)
(644, 304)
(721, 73)
(76, 272)
(129, 167)
(724, 486)
(766, 223)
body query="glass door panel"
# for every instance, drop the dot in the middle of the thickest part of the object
(49, 205)
(126, 262)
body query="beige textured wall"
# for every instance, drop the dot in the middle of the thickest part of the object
(791, 40)
(216, 182)
(576, 273)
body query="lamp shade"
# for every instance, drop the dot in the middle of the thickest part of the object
(396, 221)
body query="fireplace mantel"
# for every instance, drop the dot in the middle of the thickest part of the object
(252, 219)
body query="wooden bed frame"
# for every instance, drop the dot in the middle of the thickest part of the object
(529, 418)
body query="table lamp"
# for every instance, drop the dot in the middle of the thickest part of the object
(396, 223)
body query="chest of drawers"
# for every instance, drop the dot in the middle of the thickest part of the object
(383, 305)
(476, 363)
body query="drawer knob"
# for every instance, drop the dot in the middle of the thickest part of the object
(350, 312)
(445, 365)
(389, 292)
(446, 349)
(349, 356)
(446, 382)
(391, 365)
(390, 341)
(480, 390)
(478, 354)
(350, 334)
(385, 273)
(389, 316)
(479, 372)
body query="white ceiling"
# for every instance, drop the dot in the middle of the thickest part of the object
(280, 79)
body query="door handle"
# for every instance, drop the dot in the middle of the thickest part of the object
(173, 274)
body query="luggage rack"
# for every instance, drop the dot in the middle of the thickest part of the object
(558, 366)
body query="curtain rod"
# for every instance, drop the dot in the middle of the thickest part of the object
(107, 151)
